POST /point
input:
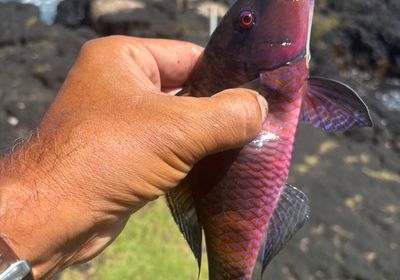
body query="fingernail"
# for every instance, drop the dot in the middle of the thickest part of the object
(263, 106)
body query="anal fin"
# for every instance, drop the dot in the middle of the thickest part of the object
(180, 202)
(289, 216)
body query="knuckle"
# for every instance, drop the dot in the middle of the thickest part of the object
(90, 45)
(99, 44)
(189, 130)
(244, 114)
(253, 114)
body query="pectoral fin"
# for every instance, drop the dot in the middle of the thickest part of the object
(289, 216)
(333, 106)
(181, 204)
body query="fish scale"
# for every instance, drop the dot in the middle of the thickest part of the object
(249, 198)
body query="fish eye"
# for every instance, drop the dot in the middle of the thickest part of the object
(247, 19)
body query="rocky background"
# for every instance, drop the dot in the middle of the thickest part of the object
(352, 179)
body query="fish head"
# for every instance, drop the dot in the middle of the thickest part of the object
(267, 34)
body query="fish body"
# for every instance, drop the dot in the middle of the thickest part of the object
(239, 198)
(235, 212)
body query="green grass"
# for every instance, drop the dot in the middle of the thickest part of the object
(150, 247)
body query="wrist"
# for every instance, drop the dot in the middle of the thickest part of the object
(21, 228)
(11, 267)
(33, 218)
(42, 198)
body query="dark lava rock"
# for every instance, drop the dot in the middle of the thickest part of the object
(19, 24)
(149, 22)
(73, 13)
(361, 33)
(353, 182)
(158, 19)
(34, 61)
(354, 228)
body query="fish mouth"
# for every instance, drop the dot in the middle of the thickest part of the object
(287, 42)
(295, 60)
(284, 43)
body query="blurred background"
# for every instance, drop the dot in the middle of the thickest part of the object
(352, 179)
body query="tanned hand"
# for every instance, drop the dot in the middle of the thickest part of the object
(114, 139)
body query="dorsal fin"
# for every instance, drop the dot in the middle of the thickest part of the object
(180, 202)
(289, 216)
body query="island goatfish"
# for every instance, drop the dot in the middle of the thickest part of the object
(240, 198)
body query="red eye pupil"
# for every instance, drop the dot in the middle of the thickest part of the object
(247, 19)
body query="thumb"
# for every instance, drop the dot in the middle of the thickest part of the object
(227, 120)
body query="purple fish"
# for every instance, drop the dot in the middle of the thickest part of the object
(239, 198)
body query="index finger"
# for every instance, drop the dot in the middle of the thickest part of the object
(175, 59)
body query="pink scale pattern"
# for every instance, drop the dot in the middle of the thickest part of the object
(235, 212)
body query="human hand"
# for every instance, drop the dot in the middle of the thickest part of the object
(112, 141)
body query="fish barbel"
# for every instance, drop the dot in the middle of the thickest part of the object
(240, 198)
